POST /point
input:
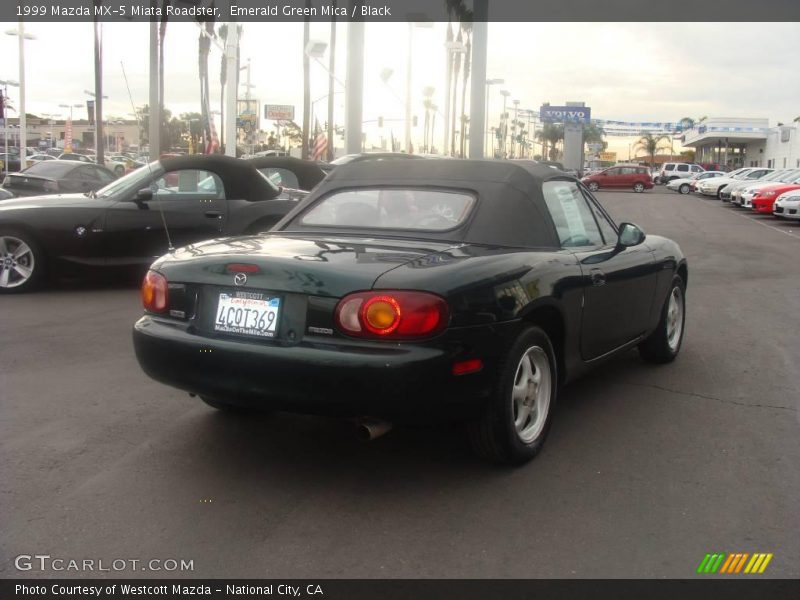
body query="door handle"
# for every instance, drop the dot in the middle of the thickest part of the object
(213, 214)
(598, 277)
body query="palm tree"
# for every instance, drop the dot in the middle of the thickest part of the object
(550, 134)
(650, 144)
(594, 134)
(796, 120)
(686, 123)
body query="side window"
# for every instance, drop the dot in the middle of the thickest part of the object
(102, 175)
(571, 214)
(192, 184)
(669, 167)
(607, 227)
(695, 169)
(683, 168)
(282, 177)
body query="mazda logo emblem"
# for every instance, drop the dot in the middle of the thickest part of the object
(240, 279)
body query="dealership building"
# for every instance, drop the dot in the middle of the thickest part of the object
(744, 143)
(45, 133)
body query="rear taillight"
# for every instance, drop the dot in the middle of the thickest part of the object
(392, 314)
(155, 294)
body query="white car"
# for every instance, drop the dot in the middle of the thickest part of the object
(684, 186)
(787, 205)
(670, 171)
(743, 194)
(713, 187)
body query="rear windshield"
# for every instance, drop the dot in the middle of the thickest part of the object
(50, 169)
(391, 208)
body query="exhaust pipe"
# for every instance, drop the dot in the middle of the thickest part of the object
(369, 428)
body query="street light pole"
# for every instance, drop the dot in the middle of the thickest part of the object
(23, 124)
(489, 84)
(504, 124)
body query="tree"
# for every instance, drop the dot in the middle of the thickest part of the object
(427, 102)
(650, 144)
(594, 134)
(550, 134)
(466, 27)
(686, 123)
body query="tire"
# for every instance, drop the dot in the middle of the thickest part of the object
(638, 187)
(719, 193)
(119, 170)
(684, 189)
(227, 407)
(22, 262)
(494, 435)
(663, 345)
(593, 186)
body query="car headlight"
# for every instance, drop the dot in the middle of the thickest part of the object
(768, 194)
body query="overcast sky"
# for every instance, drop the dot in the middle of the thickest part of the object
(625, 71)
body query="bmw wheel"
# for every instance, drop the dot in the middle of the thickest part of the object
(638, 187)
(515, 424)
(593, 186)
(684, 189)
(665, 342)
(21, 262)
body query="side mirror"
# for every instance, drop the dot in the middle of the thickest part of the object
(144, 195)
(629, 235)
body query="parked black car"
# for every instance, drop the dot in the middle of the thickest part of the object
(464, 290)
(123, 224)
(58, 177)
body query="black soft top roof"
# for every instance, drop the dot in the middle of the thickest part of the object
(510, 211)
(240, 178)
(308, 173)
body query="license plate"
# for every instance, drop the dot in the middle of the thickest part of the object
(247, 313)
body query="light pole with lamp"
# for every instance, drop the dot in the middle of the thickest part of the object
(99, 137)
(451, 49)
(489, 83)
(5, 84)
(504, 124)
(23, 124)
(68, 147)
(315, 49)
(411, 24)
(514, 130)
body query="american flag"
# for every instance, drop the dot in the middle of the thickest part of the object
(320, 144)
(213, 144)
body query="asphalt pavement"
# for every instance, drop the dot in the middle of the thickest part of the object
(647, 468)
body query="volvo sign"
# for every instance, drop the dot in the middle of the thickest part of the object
(565, 114)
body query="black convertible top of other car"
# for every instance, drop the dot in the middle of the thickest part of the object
(308, 173)
(237, 175)
(510, 208)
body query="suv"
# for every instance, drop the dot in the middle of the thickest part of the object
(672, 171)
(621, 176)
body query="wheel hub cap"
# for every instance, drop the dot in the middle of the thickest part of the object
(530, 394)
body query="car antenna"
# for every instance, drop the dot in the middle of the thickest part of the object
(170, 247)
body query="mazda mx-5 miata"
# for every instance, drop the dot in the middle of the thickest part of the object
(125, 224)
(416, 290)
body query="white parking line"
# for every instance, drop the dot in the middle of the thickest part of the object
(789, 233)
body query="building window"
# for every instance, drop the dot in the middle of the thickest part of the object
(784, 162)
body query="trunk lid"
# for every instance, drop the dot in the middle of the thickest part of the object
(327, 267)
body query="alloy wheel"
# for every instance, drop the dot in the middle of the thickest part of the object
(675, 319)
(16, 262)
(530, 394)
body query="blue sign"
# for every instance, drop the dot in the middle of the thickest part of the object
(565, 114)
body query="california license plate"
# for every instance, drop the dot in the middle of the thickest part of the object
(247, 313)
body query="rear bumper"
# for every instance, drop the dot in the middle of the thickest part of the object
(342, 378)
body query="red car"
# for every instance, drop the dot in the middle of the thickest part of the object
(625, 176)
(765, 197)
